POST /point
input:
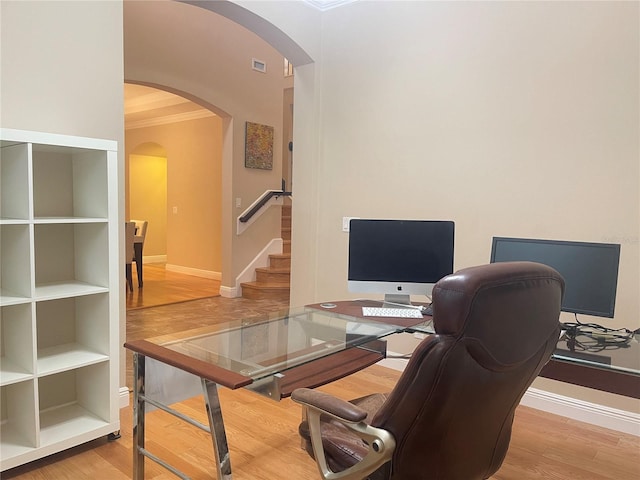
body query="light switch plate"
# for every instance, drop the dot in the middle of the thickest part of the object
(345, 223)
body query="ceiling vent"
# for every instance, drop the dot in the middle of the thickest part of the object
(258, 65)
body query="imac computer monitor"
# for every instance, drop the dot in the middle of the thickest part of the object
(590, 270)
(399, 258)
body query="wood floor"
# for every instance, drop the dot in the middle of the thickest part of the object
(162, 287)
(262, 433)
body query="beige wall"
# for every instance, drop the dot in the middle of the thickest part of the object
(147, 195)
(510, 118)
(193, 149)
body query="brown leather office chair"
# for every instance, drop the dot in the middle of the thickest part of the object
(450, 414)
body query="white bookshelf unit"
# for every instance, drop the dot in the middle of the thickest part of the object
(59, 293)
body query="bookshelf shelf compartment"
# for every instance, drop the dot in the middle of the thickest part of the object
(67, 252)
(73, 403)
(19, 422)
(15, 254)
(72, 332)
(14, 180)
(59, 301)
(80, 176)
(16, 343)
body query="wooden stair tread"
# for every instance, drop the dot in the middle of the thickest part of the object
(273, 281)
(266, 285)
(266, 290)
(273, 269)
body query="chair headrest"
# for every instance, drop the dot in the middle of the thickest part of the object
(492, 304)
(141, 227)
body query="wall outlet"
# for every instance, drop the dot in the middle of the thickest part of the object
(345, 223)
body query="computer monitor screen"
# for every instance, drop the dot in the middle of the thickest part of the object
(590, 270)
(399, 258)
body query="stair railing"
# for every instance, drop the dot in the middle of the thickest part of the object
(257, 208)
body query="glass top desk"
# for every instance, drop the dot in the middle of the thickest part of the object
(609, 365)
(308, 347)
(272, 355)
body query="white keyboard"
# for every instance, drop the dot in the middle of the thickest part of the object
(391, 312)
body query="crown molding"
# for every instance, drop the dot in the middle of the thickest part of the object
(178, 117)
(324, 5)
(152, 101)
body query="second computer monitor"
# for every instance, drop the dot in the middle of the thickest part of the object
(590, 270)
(399, 258)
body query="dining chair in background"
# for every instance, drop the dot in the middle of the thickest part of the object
(129, 235)
(138, 245)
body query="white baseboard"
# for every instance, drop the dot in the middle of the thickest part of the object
(600, 415)
(154, 259)
(592, 413)
(260, 260)
(196, 272)
(228, 292)
(124, 397)
(394, 363)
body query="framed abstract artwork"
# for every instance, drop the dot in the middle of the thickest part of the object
(258, 151)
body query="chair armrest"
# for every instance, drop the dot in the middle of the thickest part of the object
(336, 407)
(381, 442)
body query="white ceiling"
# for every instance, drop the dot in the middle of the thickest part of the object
(146, 107)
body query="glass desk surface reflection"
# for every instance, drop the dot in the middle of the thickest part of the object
(262, 347)
(268, 353)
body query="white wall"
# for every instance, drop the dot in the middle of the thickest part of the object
(510, 118)
(62, 73)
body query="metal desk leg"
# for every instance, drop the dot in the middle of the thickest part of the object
(138, 416)
(218, 434)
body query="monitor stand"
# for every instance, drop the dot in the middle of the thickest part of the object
(397, 300)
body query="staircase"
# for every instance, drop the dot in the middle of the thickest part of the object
(273, 282)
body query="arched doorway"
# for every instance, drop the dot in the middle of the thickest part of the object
(206, 58)
(176, 160)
